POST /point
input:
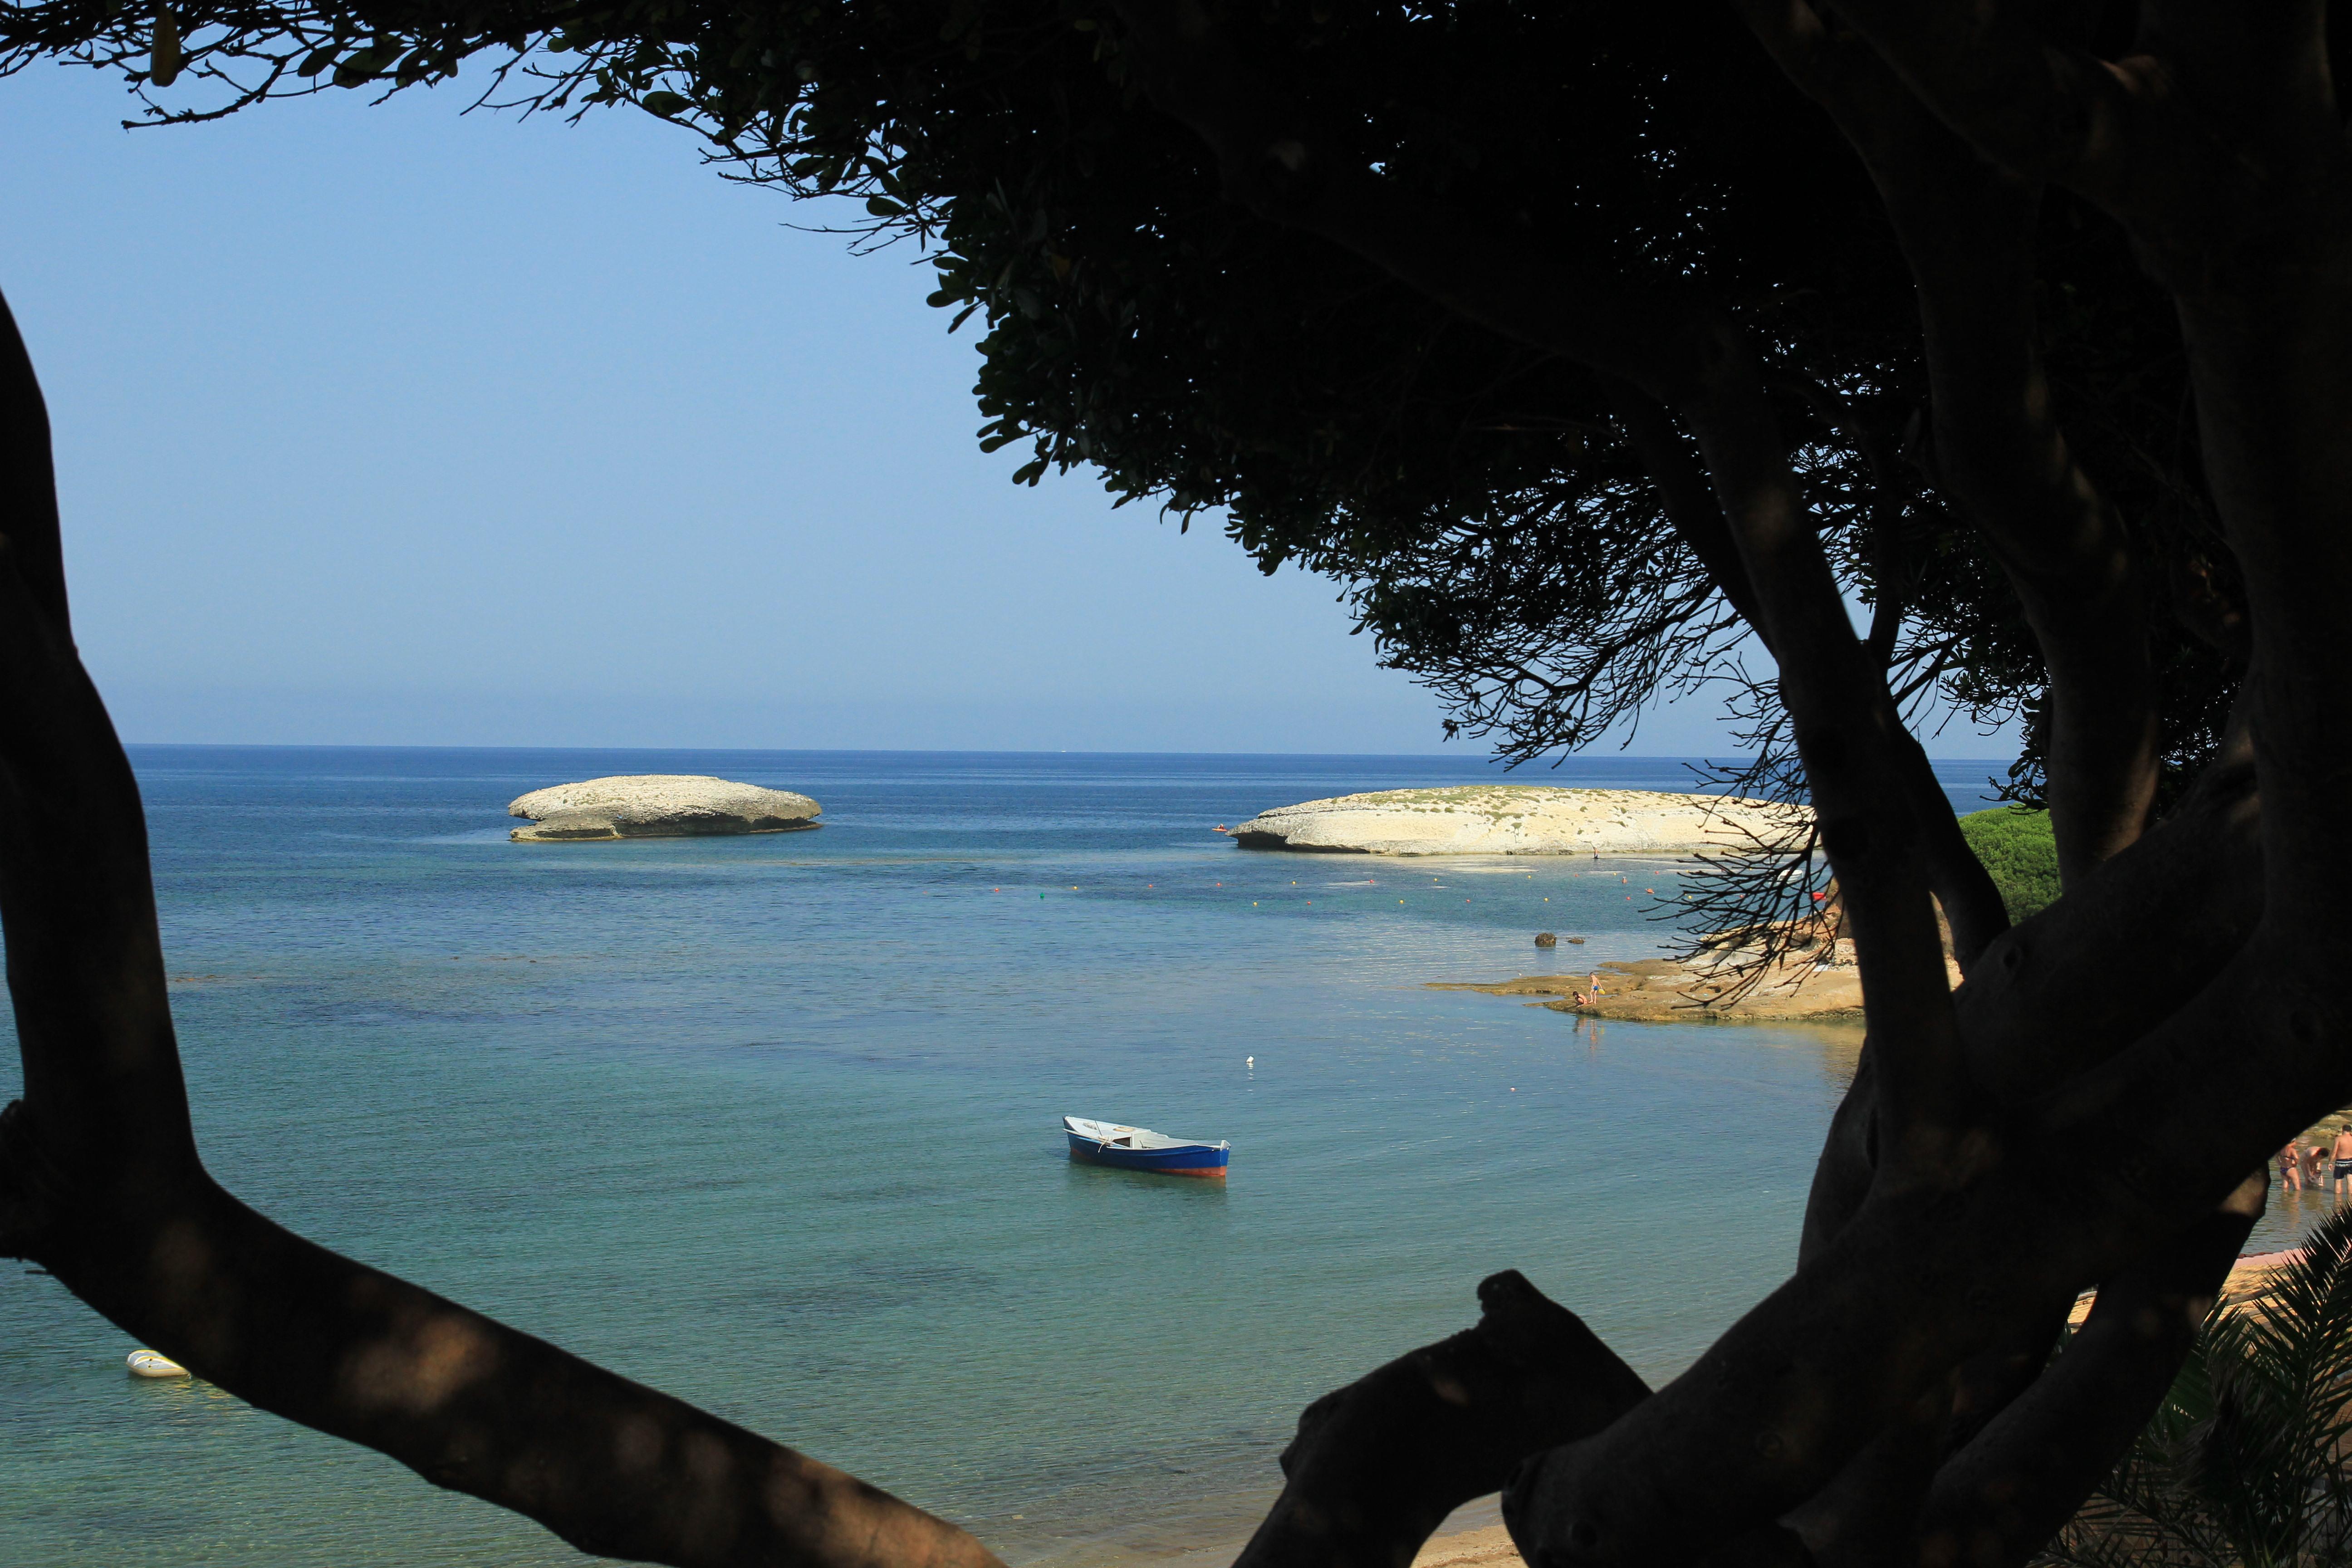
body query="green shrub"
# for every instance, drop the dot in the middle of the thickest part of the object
(2017, 846)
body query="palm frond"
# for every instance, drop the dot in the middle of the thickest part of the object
(2248, 1463)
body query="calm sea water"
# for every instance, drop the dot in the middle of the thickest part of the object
(772, 1122)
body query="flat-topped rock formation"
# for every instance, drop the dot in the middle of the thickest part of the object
(1518, 819)
(658, 806)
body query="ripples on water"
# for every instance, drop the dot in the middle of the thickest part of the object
(772, 1122)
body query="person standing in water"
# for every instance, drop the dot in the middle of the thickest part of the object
(2290, 1162)
(2343, 1174)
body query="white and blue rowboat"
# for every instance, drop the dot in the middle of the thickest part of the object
(1141, 1149)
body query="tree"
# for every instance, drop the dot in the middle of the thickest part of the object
(2021, 852)
(101, 1185)
(1584, 342)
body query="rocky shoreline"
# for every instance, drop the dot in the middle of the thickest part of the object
(1663, 991)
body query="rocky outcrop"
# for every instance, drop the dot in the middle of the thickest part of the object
(1519, 819)
(657, 806)
(1661, 990)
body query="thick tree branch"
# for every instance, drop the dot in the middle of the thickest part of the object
(28, 492)
(2039, 108)
(1956, 1249)
(2193, 884)
(1377, 1465)
(1998, 1500)
(1959, 882)
(1672, 345)
(2239, 1066)
(1967, 231)
(1690, 504)
(1921, 1279)
(101, 1183)
(1868, 1514)
(2031, 1025)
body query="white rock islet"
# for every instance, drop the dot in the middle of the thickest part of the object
(1519, 819)
(657, 806)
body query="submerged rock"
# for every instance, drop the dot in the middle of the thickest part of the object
(1546, 939)
(1520, 819)
(658, 806)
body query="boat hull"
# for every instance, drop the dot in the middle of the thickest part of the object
(1202, 1160)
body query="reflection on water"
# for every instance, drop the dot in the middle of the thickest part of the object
(774, 1124)
(2291, 1214)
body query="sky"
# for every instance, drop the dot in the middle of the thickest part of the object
(394, 426)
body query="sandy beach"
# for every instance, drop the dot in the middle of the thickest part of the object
(1479, 1547)
(1472, 1537)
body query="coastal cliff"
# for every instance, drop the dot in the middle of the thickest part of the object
(1518, 819)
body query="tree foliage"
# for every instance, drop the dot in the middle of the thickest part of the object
(1481, 502)
(2016, 844)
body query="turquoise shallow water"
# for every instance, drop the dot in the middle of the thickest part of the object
(772, 1122)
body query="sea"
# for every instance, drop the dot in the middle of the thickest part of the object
(773, 1123)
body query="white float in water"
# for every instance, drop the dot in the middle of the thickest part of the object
(148, 1364)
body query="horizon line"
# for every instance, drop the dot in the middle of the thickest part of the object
(956, 751)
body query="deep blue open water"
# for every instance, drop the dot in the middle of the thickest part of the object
(772, 1122)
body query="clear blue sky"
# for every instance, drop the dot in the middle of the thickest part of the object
(386, 426)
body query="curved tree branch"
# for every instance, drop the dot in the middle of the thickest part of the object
(1956, 1249)
(1966, 229)
(101, 1183)
(1377, 1465)
(1923, 1278)
(1690, 504)
(2001, 1497)
(1673, 344)
(2039, 107)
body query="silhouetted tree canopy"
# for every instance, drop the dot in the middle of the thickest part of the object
(1596, 349)
(1482, 501)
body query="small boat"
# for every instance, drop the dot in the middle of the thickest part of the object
(151, 1363)
(1141, 1149)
